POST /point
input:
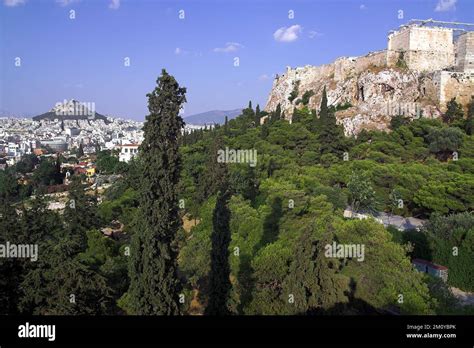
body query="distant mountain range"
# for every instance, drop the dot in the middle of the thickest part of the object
(75, 110)
(210, 117)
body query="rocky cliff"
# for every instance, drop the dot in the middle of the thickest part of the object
(370, 90)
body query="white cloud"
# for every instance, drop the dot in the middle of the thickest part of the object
(312, 34)
(13, 3)
(445, 5)
(263, 77)
(114, 4)
(179, 51)
(362, 7)
(229, 47)
(66, 2)
(289, 34)
(182, 52)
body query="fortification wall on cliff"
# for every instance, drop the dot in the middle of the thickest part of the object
(424, 48)
(465, 52)
(416, 71)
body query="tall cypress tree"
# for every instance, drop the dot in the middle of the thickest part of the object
(257, 115)
(469, 128)
(80, 151)
(330, 134)
(154, 285)
(219, 283)
(276, 115)
(296, 117)
(226, 125)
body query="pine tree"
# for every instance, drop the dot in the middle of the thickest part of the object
(313, 278)
(80, 213)
(330, 290)
(454, 111)
(219, 283)
(361, 193)
(154, 285)
(58, 284)
(11, 269)
(272, 166)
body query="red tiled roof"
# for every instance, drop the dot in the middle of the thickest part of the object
(430, 264)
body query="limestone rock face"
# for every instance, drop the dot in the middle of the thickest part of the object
(375, 90)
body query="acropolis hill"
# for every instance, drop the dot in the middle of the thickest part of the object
(426, 64)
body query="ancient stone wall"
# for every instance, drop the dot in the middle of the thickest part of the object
(465, 52)
(399, 40)
(347, 67)
(423, 48)
(343, 68)
(431, 39)
(457, 85)
(429, 60)
(374, 59)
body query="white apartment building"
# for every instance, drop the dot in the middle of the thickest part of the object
(127, 152)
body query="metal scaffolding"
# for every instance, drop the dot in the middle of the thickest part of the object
(456, 25)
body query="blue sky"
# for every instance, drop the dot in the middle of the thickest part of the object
(83, 58)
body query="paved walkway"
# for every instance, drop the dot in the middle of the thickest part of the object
(399, 222)
(464, 298)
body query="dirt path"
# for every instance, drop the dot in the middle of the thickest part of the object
(464, 298)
